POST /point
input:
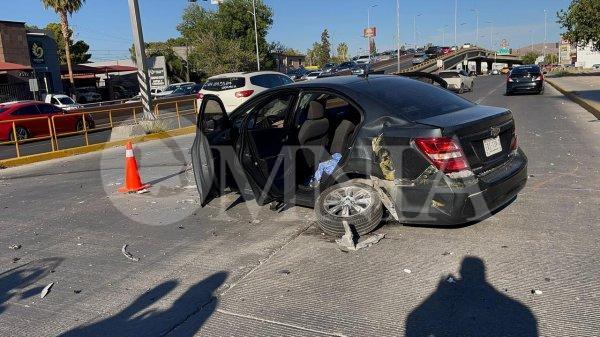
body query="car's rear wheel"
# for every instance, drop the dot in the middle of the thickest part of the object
(357, 203)
(22, 134)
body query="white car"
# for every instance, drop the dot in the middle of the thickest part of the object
(62, 101)
(458, 80)
(170, 88)
(87, 95)
(236, 88)
(364, 59)
(311, 75)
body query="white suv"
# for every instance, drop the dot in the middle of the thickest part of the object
(235, 88)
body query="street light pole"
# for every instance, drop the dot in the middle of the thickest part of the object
(256, 34)
(491, 34)
(477, 23)
(415, 28)
(455, 21)
(545, 31)
(140, 56)
(369, 26)
(398, 33)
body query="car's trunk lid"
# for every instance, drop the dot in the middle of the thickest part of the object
(472, 126)
(524, 76)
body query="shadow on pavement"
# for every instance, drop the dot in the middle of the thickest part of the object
(12, 282)
(470, 306)
(137, 320)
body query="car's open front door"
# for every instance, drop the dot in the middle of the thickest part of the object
(212, 132)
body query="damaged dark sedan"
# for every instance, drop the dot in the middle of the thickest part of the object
(358, 148)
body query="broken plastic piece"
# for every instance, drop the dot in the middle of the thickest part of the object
(348, 241)
(127, 254)
(46, 290)
(450, 279)
(536, 291)
(408, 271)
(14, 247)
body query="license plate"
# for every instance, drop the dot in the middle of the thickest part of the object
(492, 146)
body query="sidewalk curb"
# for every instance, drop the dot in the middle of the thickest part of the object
(35, 158)
(582, 102)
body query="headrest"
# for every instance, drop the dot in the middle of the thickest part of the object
(316, 110)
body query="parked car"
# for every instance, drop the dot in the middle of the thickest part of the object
(155, 91)
(121, 92)
(433, 52)
(311, 75)
(185, 90)
(466, 45)
(62, 101)
(458, 80)
(235, 88)
(25, 129)
(329, 67)
(437, 158)
(296, 74)
(525, 79)
(419, 58)
(171, 87)
(363, 59)
(87, 95)
(348, 65)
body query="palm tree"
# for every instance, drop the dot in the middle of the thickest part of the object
(62, 8)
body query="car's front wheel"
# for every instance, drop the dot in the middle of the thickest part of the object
(357, 203)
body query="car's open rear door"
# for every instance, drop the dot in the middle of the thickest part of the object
(212, 124)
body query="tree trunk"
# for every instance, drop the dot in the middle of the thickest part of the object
(64, 25)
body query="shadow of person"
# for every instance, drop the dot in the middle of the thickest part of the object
(14, 281)
(194, 306)
(470, 306)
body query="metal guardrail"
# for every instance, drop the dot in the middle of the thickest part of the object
(433, 62)
(79, 124)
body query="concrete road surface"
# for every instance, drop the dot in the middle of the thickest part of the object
(236, 269)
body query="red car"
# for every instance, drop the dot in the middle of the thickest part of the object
(446, 50)
(28, 124)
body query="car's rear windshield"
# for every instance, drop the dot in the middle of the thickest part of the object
(414, 99)
(224, 83)
(525, 70)
(449, 74)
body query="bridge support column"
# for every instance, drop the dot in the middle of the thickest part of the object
(490, 63)
(478, 67)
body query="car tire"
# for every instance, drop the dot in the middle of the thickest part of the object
(462, 88)
(22, 134)
(329, 210)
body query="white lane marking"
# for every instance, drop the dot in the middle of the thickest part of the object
(481, 99)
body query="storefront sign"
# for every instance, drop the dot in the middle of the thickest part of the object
(37, 53)
(158, 78)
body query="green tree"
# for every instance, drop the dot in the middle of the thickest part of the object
(324, 50)
(581, 22)
(64, 8)
(79, 49)
(551, 59)
(342, 51)
(530, 57)
(224, 40)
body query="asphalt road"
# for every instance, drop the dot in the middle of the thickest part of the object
(236, 269)
(389, 67)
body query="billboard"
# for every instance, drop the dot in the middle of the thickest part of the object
(370, 32)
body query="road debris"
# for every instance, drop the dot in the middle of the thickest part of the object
(348, 242)
(77, 291)
(15, 247)
(15, 259)
(127, 254)
(447, 253)
(536, 291)
(450, 279)
(46, 290)
(408, 271)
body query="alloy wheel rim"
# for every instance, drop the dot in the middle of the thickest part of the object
(21, 134)
(347, 201)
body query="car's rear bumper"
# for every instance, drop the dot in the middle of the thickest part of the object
(524, 87)
(447, 205)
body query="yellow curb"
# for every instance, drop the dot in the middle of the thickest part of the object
(34, 158)
(582, 102)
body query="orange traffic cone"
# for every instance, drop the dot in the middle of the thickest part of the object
(133, 183)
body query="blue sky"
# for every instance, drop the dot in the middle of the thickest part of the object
(105, 25)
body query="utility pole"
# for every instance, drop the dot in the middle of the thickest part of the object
(140, 56)
(369, 26)
(455, 21)
(398, 33)
(491, 34)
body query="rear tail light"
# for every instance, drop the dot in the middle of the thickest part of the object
(514, 143)
(444, 153)
(199, 95)
(244, 93)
